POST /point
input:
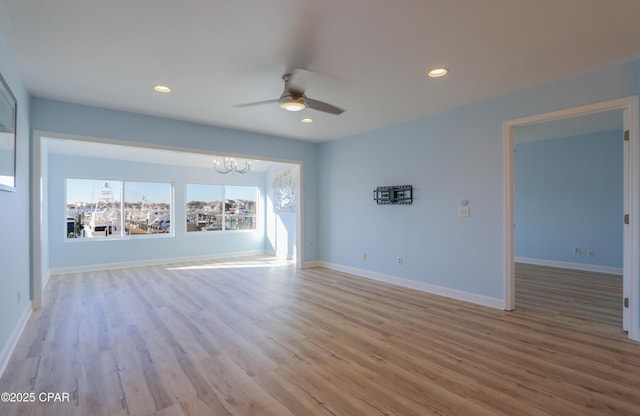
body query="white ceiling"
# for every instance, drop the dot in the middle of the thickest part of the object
(366, 56)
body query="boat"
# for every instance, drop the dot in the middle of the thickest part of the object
(145, 217)
(104, 219)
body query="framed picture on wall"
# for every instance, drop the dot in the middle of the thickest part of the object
(8, 108)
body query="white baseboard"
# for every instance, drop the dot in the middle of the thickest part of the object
(8, 348)
(310, 264)
(45, 279)
(152, 262)
(571, 266)
(424, 287)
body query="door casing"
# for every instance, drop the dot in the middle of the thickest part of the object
(631, 232)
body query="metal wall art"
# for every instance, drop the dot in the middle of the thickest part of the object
(284, 195)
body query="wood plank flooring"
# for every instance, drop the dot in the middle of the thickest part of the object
(262, 338)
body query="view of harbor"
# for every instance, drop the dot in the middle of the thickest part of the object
(94, 209)
(205, 211)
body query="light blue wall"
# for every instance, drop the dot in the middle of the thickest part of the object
(67, 118)
(568, 193)
(14, 214)
(447, 157)
(445, 164)
(72, 253)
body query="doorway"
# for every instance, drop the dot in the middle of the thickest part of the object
(629, 107)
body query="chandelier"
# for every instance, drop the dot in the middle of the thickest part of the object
(230, 165)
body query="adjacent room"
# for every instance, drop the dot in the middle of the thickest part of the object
(319, 208)
(570, 177)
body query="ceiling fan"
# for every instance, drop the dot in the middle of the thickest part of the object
(293, 99)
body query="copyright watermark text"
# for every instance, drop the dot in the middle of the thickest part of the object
(31, 397)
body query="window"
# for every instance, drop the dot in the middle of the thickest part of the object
(204, 207)
(99, 208)
(206, 211)
(147, 208)
(240, 207)
(93, 208)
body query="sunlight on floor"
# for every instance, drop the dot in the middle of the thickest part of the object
(239, 262)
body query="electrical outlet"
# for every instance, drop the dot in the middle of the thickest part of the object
(400, 261)
(311, 243)
(364, 256)
(464, 212)
(577, 250)
(591, 253)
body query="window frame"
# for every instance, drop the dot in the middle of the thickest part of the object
(122, 207)
(224, 229)
(186, 201)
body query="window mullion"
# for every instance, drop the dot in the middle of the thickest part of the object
(122, 213)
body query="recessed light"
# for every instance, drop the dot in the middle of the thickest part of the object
(438, 72)
(162, 88)
(307, 120)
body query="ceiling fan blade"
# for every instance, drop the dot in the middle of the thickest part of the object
(256, 103)
(303, 42)
(324, 107)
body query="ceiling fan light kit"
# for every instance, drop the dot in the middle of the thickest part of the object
(292, 103)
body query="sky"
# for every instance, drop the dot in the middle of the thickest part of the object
(88, 190)
(210, 193)
(206, 193)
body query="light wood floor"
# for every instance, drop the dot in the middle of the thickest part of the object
(267, 339)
